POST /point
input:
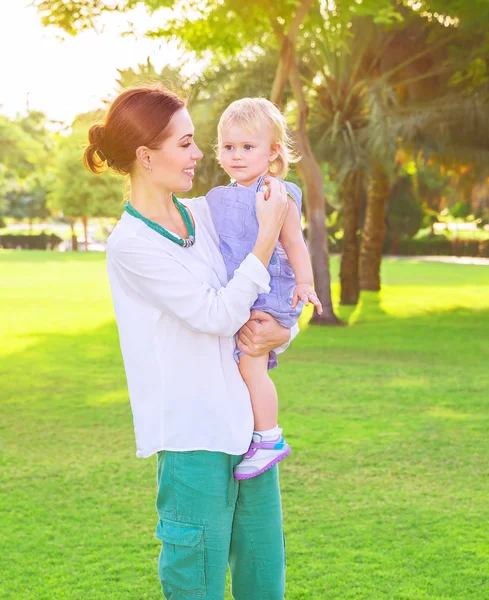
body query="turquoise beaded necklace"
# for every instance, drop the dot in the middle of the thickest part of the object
(184, 242)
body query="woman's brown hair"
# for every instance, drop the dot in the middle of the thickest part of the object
(137, 117)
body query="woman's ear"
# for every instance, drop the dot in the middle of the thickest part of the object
(143, 157)
(275, 150)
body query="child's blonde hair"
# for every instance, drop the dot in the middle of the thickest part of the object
(253, 112)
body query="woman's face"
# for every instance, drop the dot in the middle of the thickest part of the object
(173, 164)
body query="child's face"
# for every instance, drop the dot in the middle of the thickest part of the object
(246, 155)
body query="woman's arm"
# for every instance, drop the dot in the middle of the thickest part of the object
(168, 285)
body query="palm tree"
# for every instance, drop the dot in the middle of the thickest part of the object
(342, 116)
(366, 104)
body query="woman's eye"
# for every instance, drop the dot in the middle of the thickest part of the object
(186, 145)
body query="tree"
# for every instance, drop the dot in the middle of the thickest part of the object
(294, 29)
(275, 26)
(356, 126)
(226, 28)
(446, 48)
(77, 193)
(26, 147)
(381, 88)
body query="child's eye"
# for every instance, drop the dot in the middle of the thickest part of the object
(228, 147)
(248, 147)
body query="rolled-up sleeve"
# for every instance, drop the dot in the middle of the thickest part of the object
(294, 330)
(167, 284)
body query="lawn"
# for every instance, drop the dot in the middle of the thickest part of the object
(385, 495)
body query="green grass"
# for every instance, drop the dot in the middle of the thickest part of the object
(385, 495)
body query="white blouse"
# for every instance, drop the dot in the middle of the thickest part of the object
(177, 316)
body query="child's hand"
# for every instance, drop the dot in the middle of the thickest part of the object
(306, 293)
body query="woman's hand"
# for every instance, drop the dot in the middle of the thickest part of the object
(270, 214)
(271, 206)
(261, 334)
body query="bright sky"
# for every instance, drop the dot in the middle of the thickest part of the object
(64, 78)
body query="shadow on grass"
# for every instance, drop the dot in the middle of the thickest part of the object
(83, 374)
(369, 307)
(449, 337)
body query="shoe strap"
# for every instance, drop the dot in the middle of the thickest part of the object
(276, 444)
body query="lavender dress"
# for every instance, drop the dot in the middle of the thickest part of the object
(233, 211)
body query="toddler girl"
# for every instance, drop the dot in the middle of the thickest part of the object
(253, 143)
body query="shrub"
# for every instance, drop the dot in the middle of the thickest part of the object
(40, 241)
(441, 246)
(435, 245)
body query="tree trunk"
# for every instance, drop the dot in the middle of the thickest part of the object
(310, 173)
(74, 239)
(85, 231)
(308, 168)
(373, 233)
(351, 193)
(287, 49)
(282, 73)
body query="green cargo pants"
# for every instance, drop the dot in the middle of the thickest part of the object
(207, 520)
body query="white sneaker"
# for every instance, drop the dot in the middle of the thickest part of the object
(261, 456)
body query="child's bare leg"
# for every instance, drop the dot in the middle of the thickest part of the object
(264, 399)
(268, 446)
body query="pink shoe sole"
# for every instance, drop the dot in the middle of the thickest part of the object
(277, 459)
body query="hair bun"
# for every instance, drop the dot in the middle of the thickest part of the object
(96, 137)
(96, 134)
(94, 156)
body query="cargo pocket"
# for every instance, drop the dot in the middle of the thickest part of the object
(181, 565)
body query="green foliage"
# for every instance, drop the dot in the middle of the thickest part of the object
(431, 182)
(77, 192)
(377, 74)
(27, 199)
(404, 210)
(25, 144)
(77, 15)
(146, 74)
(460, 210)
(439, 245)
(225, 28)
(26, 153)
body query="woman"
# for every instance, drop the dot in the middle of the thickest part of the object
(177, 315)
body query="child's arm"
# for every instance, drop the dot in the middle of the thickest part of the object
(292, 240)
